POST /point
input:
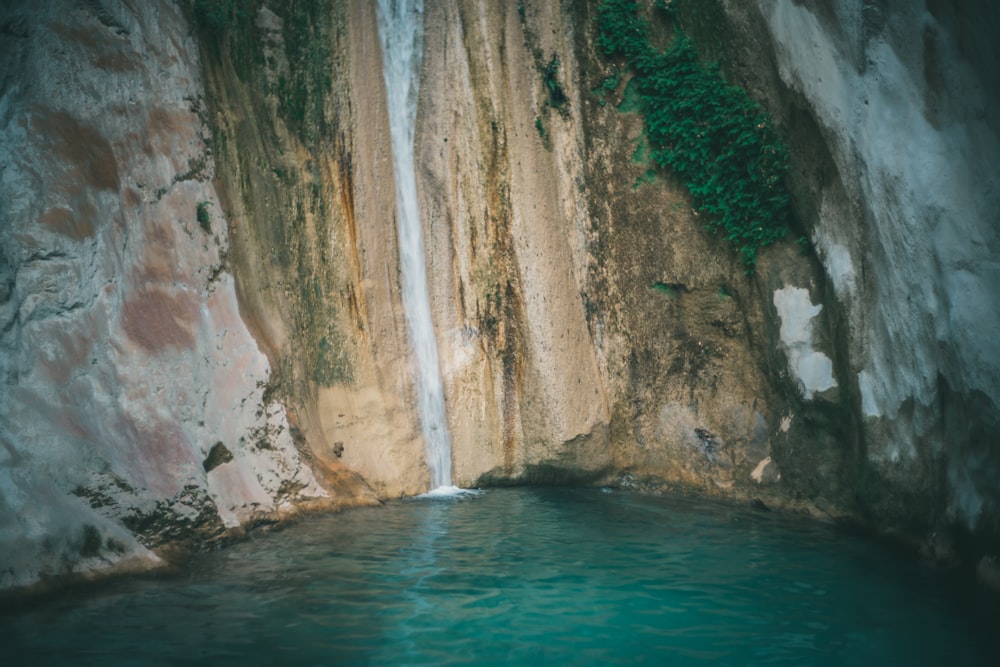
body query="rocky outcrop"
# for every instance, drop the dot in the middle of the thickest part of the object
(134, 404)
(591, 330)
(296, 100)
(888, 106)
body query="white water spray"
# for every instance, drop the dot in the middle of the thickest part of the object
(400, 29)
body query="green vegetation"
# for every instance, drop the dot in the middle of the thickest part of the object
(648, 176)
(310, 83)
(608, 85)
(550, 75)
(203, 216)
(216, 15)
(259, 77)
(230, 34)
(641, 153)
(663, 288)
(332, 366)
(541, 129)
(717, 140)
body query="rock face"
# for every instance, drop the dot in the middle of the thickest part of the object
(590, 329)
(133, 399)
(199, 278)
(890, 103)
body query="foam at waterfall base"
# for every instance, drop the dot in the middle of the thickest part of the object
(450, 492)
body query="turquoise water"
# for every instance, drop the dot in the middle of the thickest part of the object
(526, 577)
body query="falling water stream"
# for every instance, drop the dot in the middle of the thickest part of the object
(400, 28)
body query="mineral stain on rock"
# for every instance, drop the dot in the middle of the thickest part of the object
(80, 163)
(156, 319)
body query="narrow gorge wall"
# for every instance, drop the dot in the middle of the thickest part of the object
(134, 410)
(200, 290)
(583, 333)
(888, 108)
(595, 331)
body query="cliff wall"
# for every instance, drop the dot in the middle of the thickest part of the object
(887, 106)
(135, 414)
(199, 279)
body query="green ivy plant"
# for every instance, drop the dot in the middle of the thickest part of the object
(540, 126)
(716, 139)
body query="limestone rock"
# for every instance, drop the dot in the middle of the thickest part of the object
(889, 110)
(123, 355)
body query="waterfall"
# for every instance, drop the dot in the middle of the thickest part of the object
(400, 28)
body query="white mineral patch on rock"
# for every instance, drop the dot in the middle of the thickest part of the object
(907, 98)
(811, 368)
(758, 472)
(786, 423)
(839, 266)
(869, 404)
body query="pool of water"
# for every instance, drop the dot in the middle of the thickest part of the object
(526, 576)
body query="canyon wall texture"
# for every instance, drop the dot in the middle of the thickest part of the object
(887, 106)
(199, 278)
(590, 329)
(134, 406)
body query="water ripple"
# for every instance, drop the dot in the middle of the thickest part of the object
(526, 576)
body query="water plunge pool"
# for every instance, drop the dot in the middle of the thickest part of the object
(526, 576)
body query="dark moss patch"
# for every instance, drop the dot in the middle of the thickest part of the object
(332, 366)
(292, 196)
(90, 546)
(189, 518)
(218, 455)
(204, 217)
